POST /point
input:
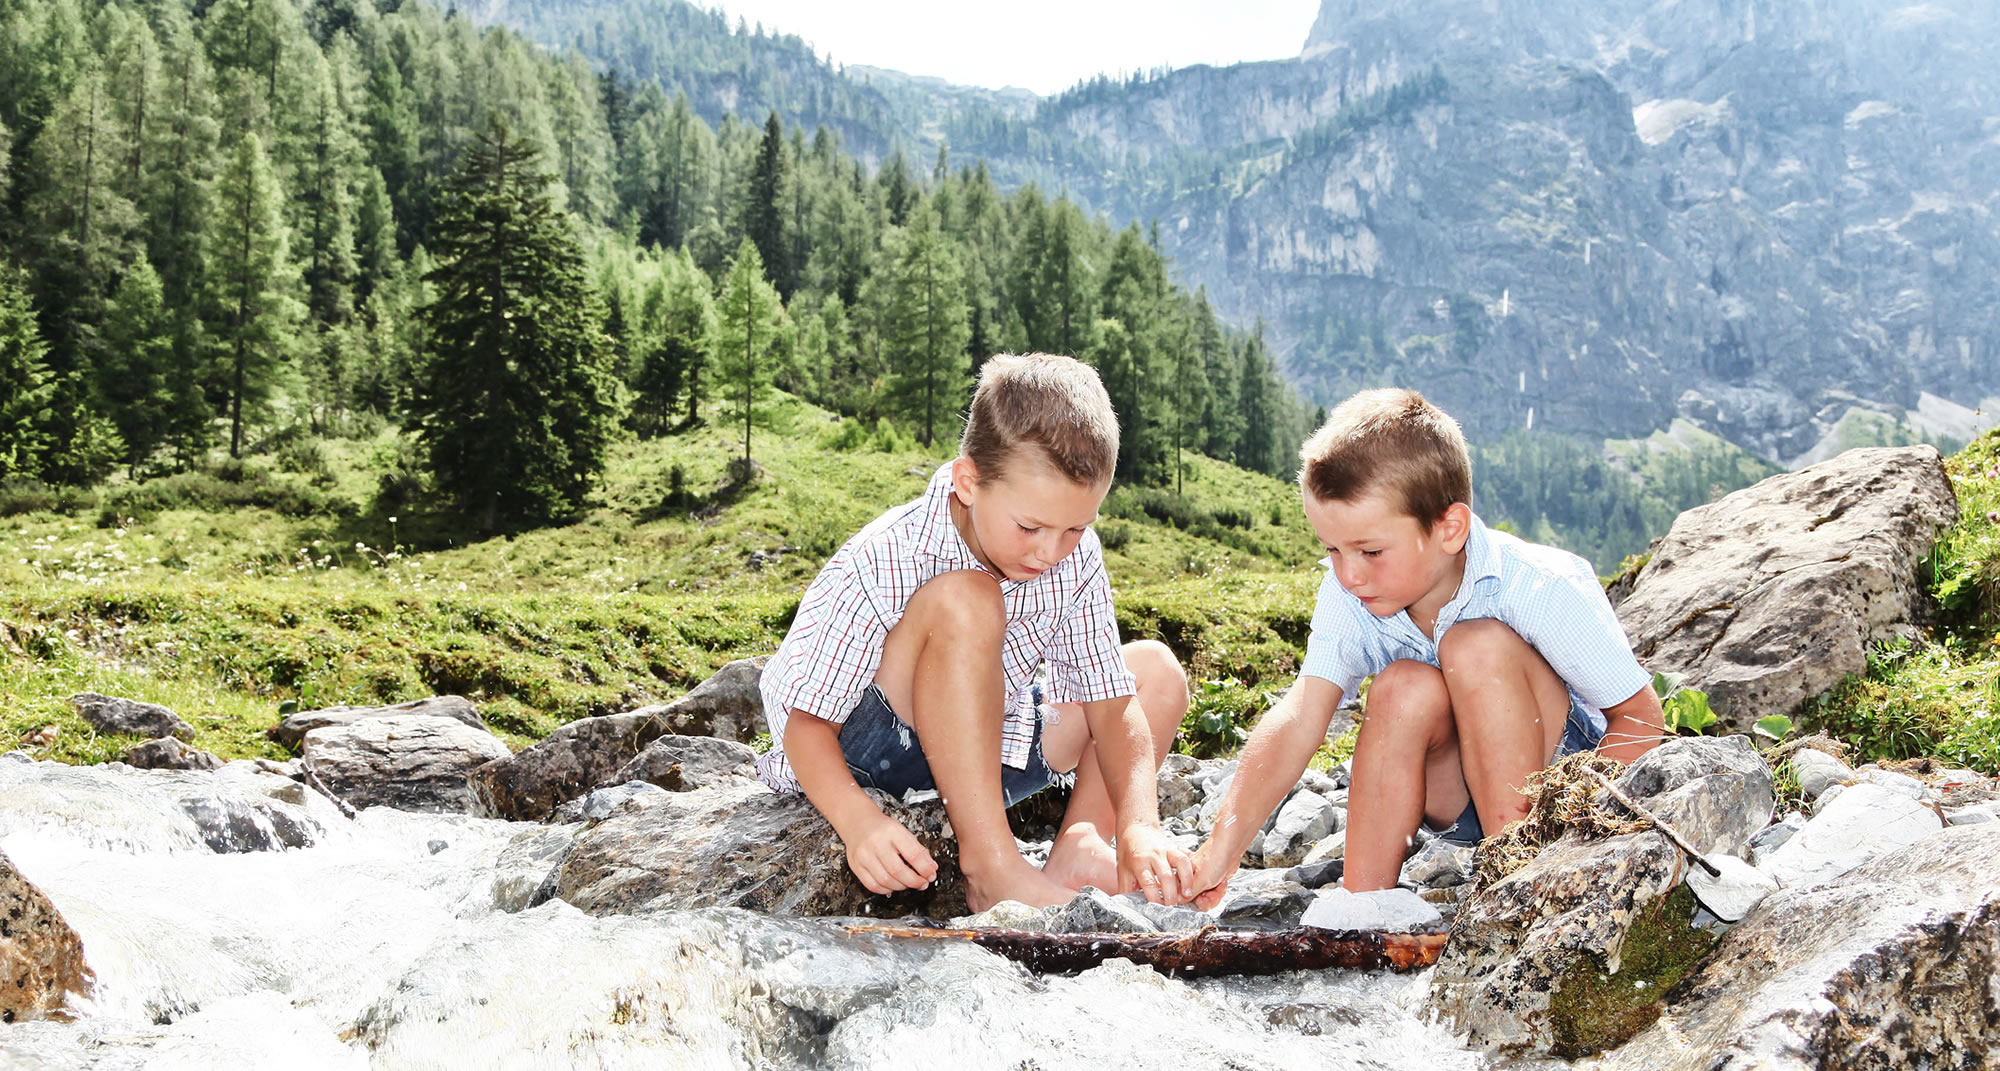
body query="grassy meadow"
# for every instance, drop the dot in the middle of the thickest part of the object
(314, 573)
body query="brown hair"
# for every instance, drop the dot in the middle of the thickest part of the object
(1055, 404)
(1389, 440)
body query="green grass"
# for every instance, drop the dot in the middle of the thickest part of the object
(1940, 698)
(219, 595)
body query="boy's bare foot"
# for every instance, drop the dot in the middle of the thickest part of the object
(1080, 856)
(1018, 880)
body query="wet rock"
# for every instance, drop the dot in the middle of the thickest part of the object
(1769, 596)
(601, 802)
(594, 752)
(1262, 900)
(744, 846)
(1298, 825)
(1866, 821)
(727, 705)
(678, 763)
(169, 753)
(108, 714)
(1715, 791)
(412, 762)
(41, 958)
(1389, 910)
(231, 824)
(292, 731)
(1539, 940)
(1441, 864)
(238, 808)
(1095, 911)
(1008, 915)
(1319, 873)
(1891, 965)
(525, 872)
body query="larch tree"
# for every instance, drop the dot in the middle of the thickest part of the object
(748, 319)
(26, 388)
(253, 310)
(925, 332)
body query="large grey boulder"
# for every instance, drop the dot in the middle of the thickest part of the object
(41, 958)
(592, 753)
(291, 732)
(1715, 791)
(742, 845)
(110, 714)
(411, 762)
(1769, 596)
(1890, 966)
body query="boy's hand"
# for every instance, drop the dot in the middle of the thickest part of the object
(1149, 861)
(1212, 870)
(887, 858)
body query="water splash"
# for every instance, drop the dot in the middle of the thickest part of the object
(374, 948)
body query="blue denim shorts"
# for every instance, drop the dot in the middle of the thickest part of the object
(882, 751)
(1578, 735)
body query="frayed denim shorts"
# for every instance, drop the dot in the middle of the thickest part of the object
(1578, 735)
(883, 752)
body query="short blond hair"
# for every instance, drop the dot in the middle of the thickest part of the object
(1054, 404)
(1389, 440)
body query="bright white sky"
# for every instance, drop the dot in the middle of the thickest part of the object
(1043, 45)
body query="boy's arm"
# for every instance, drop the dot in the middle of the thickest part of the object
(1279, 749)
(1633, 727)
(1125, 757)
(880, 850)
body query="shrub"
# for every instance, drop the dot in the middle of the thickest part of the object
(20, 496)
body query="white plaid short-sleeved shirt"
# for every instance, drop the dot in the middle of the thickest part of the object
(1549, 597)
(1062, 617)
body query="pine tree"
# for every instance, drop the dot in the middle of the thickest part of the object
(136, 372)
(763, 208)
(26, 388)
(926, 333)
(748, 315)
(516, 408)
(253, 307)
(1257, 446)
(83, 226)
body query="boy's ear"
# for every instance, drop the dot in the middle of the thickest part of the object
(964, 476)
(1455, 527)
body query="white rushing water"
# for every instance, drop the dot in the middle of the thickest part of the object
(381, 946)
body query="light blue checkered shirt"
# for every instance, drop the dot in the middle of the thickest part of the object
(1549, 597)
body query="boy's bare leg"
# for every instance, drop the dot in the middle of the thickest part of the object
(1082, 853)
(1405, 770)
(940, 665)
(1510, 708)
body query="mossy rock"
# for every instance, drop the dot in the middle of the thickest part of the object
(1592, 1009)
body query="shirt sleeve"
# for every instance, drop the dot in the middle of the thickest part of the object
(835, 643)
(1085, 661)
(1335, 650)
(1570, 622)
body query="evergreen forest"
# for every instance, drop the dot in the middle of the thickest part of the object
(230, 224)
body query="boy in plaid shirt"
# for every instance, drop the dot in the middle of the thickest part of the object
(911, 663)
(1491, 655)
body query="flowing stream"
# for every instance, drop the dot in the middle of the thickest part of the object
(381, 945)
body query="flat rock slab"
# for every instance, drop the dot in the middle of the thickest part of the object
(742, 845)
(110, 714)
(1769, 596)
(169, 753)
(1892, 965)
(1863, 822)
(41, 958)
(292, 731)
(412, 762)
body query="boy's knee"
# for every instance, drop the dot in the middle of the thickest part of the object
(1407, 687)
(1156, 667)
(965, 598)
(1480, 641)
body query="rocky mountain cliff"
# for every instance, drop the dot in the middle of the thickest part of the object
(1773, 218)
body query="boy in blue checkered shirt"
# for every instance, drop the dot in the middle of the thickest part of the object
(1491, 656)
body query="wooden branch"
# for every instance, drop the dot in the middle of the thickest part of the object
(1208, 951)
(1658, 823)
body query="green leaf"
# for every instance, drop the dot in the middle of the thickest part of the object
(1777, 726)
(1687, 711)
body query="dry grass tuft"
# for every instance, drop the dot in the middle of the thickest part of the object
(1564, 799)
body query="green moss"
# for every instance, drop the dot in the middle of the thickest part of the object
(1592, 1010)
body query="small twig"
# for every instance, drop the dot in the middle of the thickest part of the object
(313, 782)
(1658, 823)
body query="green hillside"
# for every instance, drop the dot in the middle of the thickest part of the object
(226, 592)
